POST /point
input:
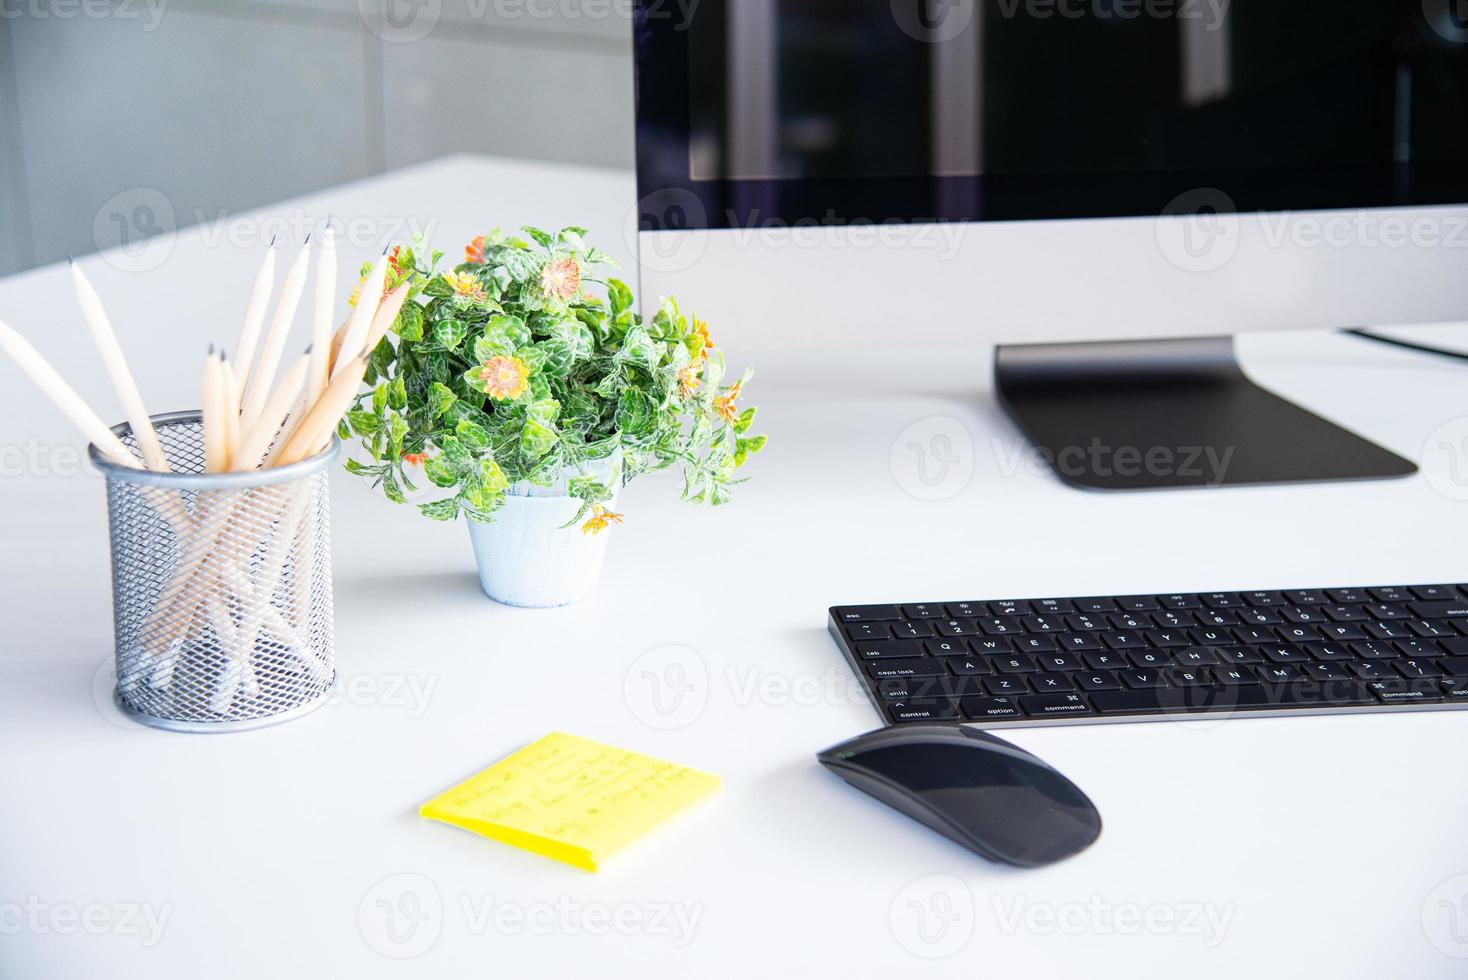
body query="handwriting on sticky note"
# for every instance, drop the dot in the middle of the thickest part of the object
(570, 798)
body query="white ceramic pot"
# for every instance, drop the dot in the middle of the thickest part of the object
(527, 558)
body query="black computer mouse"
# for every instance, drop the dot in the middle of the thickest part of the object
(985, 793)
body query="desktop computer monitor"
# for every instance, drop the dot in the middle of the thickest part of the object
(1106, 189)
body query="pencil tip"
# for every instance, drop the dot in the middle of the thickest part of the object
(272, 241)
(69, 259)
(307, 241)
(386, 248)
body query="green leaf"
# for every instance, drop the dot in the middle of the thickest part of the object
(472, 435)
(364, 424)
(440, 510)
(379, 399)
(440, 399)
(450, 333)
(744, 421)
(492, 478)
(540, 236)
(441, 471)
(539, 435)
(744, 448)
(397, 394)
(502, 337)
(410, 323)
(558, 358)
(620, 295)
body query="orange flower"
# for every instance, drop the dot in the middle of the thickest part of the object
(415, 459)
(504, 378)
(561, 279)
(465, 286)
(600, 520)
(474, 251)
(395, 276)
(688, 380)
(724, 404)
(701, 330)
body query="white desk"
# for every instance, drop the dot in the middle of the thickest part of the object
(1317, 840)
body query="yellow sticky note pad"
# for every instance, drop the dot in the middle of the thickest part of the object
(570, 798)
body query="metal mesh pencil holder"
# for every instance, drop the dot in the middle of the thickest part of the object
(221, 587)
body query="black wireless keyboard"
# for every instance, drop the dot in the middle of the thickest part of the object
(1018, 662)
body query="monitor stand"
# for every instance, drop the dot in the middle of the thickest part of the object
(1155, 414)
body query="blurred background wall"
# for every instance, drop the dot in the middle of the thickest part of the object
(114, 112)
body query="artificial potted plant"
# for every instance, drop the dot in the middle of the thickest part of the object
(527, 391)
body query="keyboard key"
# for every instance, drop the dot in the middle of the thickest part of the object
(1000, 626)
(1141, 679)
(967, 665)
(991, 644)
(1211, 637)
(1118, 640)
(1345, 614)
(1304, 695)
(1250, 635)
(1417, 668)
(1372, 650)
(942, 648)
(1278, 673)
(1455, 689)
(1077, 641)
(907, 688)
(886, 649)
(1342, 631)
(1096, 605)
(1187, 677)
(1035, 644)
(866, 614)
(1385, 630)
(1150, 658)
(1417, 648)
(1446, 609)
(1307, 597)
(1300, 633)
(980, 709)
(1043, 624)
(1195, 657)
(1010, 607)
(1180, 601)
(1328, 651)
(1264, 598)
(868, 631)
(1006, 684)
(1381, 610)
(1373, 670)
(1137, 603)
(919, 709)
(1019, 664)
(1302, 614)
(1106, 661)
(1217, 617)
(1278, 654)
(905, 668)
(1327, 672)
(912, 628)
(1054, 705)
(1098, 680)
(952, 627)
(1083, 623)
(1454, 666)
(923, 610)
(1239, 655)
(1052, 683)
(1348, 595)
(1234, 676)
(1167, 638)
(1436, 593)
(1052, 607)
(1391, 593)
(1129, 621)
(1174, 620)
(1059, 661)
(1399, 691)
(1431, 628)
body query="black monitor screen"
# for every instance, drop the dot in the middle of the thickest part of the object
(1025, 109)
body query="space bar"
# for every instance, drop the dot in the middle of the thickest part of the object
(1203, 699)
